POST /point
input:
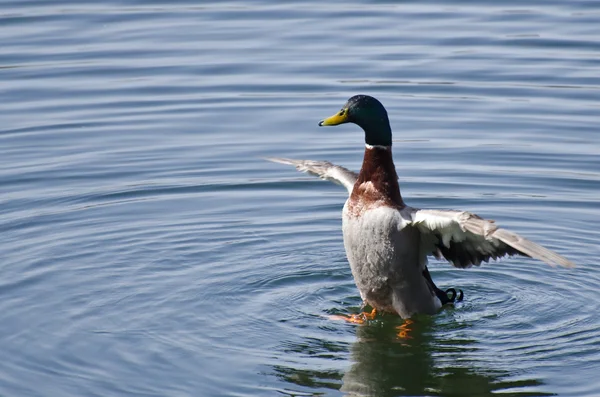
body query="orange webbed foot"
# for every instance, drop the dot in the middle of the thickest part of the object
(360, 318)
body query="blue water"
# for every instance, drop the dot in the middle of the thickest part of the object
(148, 250)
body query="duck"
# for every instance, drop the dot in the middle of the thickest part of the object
(388, 242)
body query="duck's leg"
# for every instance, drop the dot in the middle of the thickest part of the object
(443, 295)
(359, 318)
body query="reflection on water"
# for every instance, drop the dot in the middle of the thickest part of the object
(433, 361)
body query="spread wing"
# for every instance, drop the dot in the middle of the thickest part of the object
(462, 238)
(465, 239)
(322, 169)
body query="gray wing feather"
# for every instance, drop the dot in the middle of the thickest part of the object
(466, 239)
(322, 169)
(532, 249)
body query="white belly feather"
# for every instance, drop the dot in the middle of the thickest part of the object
(387, 262)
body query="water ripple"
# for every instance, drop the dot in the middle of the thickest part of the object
(149, 250)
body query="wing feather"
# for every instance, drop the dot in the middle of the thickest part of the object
(322, 169)
(466, 239)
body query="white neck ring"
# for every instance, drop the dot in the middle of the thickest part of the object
(376, 146)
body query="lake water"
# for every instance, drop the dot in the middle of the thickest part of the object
(148, 250)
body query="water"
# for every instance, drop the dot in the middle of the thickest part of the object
(148, 250)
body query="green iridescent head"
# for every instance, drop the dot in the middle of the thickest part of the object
(369, 114)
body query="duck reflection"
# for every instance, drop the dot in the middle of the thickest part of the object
(384, 365)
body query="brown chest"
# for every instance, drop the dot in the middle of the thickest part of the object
(377, 183)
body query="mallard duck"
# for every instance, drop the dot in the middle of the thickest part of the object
(387, 242)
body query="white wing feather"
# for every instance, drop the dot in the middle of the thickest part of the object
(322, 169)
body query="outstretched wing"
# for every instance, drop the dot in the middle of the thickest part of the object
(322, 169)
(465, 239)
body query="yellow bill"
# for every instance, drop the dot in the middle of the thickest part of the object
(340, 117)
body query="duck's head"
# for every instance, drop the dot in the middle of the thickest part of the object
(369, 114)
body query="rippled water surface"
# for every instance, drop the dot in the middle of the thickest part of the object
(148, 250)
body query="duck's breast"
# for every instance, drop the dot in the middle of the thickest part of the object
(383, 253)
